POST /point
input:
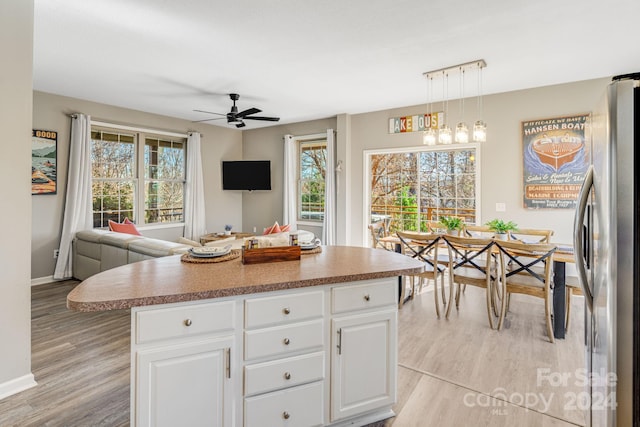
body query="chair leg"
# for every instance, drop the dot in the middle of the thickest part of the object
(547, 313)
(444, 297)
(402, 291)
(568, 310)
(435, 295)
(451, 285)
(489, 295)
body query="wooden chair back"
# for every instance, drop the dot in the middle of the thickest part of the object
(529, 272)
(378, 231)
(531, 235)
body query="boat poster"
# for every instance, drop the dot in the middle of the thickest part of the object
(44, 147)
(556, 159)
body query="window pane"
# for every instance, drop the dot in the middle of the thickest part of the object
(412, 188)
(313, 157)
(163, 202)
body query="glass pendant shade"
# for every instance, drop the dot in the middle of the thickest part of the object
(462, 133)
(444, 135)
(480, 131)
(429, 137)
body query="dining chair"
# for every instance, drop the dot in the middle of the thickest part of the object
(477, 231)
(531, 235)
(526, 268)
(471, 262)
(424, 247)
(378, 230)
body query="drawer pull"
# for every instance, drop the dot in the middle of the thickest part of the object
(287, 376)
(187, 322)
(286, 310)
(367, 297)
(285, 415)
(286, 341)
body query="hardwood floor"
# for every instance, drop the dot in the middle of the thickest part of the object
(80, 362)
(454, 372)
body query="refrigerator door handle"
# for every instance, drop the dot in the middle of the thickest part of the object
(579, 237)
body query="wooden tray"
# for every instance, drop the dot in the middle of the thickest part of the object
(272, 254)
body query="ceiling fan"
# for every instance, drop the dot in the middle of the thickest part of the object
(237, 118)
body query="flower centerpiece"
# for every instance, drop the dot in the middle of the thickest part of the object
(452, 224)
(501, 227)
(227, 229)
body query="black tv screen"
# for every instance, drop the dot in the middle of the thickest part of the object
(246, 175)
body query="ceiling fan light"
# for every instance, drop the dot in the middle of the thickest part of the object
(480, 131)
(462, 133)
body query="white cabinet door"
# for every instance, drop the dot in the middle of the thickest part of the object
(363, 368)
(185, 384)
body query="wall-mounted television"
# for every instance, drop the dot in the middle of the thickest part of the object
(246, 175)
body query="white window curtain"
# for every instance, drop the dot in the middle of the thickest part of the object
(290, 206)
(77, 208)
(195, 221)
(329, 223)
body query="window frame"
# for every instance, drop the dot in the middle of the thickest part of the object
(300, 141)
(140, 136)
(367, 157)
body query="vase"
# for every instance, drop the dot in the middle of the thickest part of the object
(500, 236)
(227, 232)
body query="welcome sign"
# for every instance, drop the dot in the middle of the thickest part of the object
(417, 123)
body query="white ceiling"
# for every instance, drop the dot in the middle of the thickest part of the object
(303, 59)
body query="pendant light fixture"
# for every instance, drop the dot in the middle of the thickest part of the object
(480, 127)
(429, 135)
(462, 131)
(444, 133)
(445, 136)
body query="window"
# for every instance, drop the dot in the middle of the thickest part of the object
(117, 163)
(311, 173)
(409, 188)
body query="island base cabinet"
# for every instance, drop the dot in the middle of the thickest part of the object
(301, 406)
(363, 368)
(184, 384)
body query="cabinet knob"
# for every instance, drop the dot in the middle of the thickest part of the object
(286, 310)
(367, 297)
(285, 415)
(287, 376)
(286, 341)
(187, 322)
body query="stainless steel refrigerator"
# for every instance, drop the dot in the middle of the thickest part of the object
(607, 251)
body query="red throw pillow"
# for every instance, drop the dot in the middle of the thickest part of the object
(126, 221)
(284, 228)
(275, 228)
(125, 227)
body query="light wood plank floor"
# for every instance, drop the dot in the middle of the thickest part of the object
(454, 372)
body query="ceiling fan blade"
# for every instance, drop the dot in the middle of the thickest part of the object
(209, 112)
(247, 112)
(240, 125)
(266, 119)
(207, 120)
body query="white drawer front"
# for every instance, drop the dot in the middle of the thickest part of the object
(283, 309)
(367, 295)
(283, 339)
(301, 406)
(277, 374)
(184, 320)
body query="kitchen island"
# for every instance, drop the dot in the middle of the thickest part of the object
(296, 343)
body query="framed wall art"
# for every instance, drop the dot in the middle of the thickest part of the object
(556, 158)
(44, 159)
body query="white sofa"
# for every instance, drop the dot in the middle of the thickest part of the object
(99, 250)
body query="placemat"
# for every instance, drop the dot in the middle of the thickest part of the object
(311, 251)
(235, 253)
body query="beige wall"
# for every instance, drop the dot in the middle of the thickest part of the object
(51, 112)
(16, 41)
(501, 156)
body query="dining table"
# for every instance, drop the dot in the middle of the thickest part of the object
(562, 256)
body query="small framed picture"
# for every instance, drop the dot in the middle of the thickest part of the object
(44, 159)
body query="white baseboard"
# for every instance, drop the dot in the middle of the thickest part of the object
(17, 385)
(42, 280)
